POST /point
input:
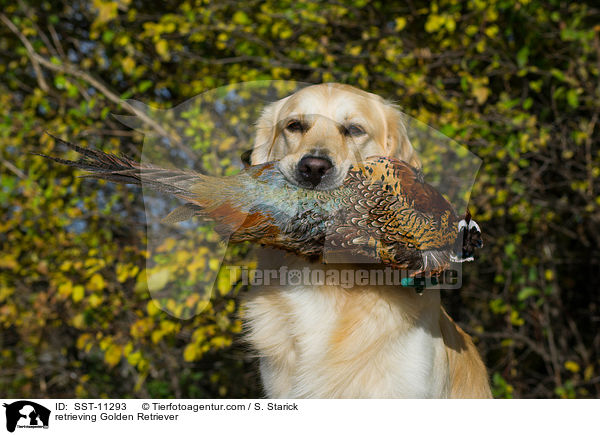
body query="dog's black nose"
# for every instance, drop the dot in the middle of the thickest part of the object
(312, 169)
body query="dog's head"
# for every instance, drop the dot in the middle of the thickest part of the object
(319, 131)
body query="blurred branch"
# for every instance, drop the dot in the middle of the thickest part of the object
(14, 169)
(64, 68)
(56, 40)
(535, 347)
(43, 36)
(30, 52)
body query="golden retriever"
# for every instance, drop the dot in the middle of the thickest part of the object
(317, 340)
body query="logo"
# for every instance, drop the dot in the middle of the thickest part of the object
(26, 414)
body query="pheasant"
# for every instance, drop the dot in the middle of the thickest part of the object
(383, 212)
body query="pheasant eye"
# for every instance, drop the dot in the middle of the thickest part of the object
(294, 126)
(354, 130)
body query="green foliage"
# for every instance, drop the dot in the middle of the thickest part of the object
(514, 80)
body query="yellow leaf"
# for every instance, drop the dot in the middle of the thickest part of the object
(7, 262)
(162, 48)
(572, 366)
(65, 289)
(355, 51)
(80, 391)
(434, 23)
(112, 355)
(78, 293)
(236, 327)
(240, 17)
(219, 342)
(224, 282)
(152, 308)
(400, 23)
(491, 31)
(134, 358)
(82, 340)
(157, 280)
(167, 245)
(286, 33)
(141, 284)
(190, 301)
(480, 46)
(140, 380)
(122, 272)
(515, 319)
(94, 300)
(156, 336)
(481, 93)
(127, 349)
(182, 257)
(105, 343)
(189, 353)
(196, 264)
(96, 282)
(167, 327)
(79, 321)
(214, 264)
(107, 10)
(471, 30)
(143, 365)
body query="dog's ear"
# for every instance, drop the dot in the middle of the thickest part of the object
(397, 143)
(266, 132)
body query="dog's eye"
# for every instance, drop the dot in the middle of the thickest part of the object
(354, 130)
(294, 126)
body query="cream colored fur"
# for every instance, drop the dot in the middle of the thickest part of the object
(364, 342)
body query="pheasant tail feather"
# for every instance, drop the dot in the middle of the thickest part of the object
(208, 196)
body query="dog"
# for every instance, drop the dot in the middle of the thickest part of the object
(326, 341)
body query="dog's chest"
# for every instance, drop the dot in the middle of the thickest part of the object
(326, 341)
